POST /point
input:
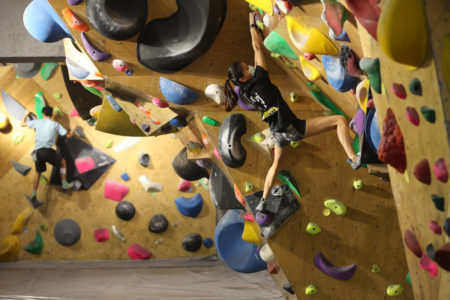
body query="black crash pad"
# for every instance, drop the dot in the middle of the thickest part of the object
(168, 45)
(82, 99)
(73, 148)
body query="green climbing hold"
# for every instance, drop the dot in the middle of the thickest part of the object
(290, 65)
(336, 206)
(316, 93)
(47, 70)
(287, 178)
(293, 97)
(438, 202)
(260, 24)
(258, 137)
(313, 228)
(248, 186)
(39, 103)
(210, 121)
(57, 95)
(408, 279)
(375, 268)
(36, 245)
(94, 91)
(109, 144)
(57, 111)
(275, 43)
(204, 182)
(18, 137)
(415, 87)
(394, 290)
(357, 184)
(44, 179)
(17, 76)
(311, 290)
(43, 227)
(428, 113)
(294, 144)
(372, 67)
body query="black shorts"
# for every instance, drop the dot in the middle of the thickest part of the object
(46, 155)
(293, 133)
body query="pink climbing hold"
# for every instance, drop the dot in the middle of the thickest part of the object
(216, 153)
(101, 235)
(435, 227)
(184, 185)
(412, 115)
(115, 190)
(440, 170)
(422, 171)
(84, 164)
(428, 265)
(160, 103)
(309, 56)
(120, 65)
(370, 103)
(249, 217)
(74, 113)
(399, 90)
(136, 251)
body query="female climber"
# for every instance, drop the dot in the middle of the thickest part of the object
(257, 89)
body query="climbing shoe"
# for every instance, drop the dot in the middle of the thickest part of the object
(355, 164)
(34, 201)
(67, 185)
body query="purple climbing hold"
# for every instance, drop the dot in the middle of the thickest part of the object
(96, 54)
(337, 272)
(145, 127)
(357, 123)
(74, 2)
(412, 115)
(242, 103)
(263, 219)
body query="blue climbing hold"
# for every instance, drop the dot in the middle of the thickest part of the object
(208, 242)
(339, 79)
(190, 207)
(239, 255)
(43, 23)
(125, 176)
(178, 122)
(113, 103)
(177, 93)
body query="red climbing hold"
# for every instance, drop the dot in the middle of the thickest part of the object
(442, 257)
(435, 227)
(101, 235)
(412, 115)
(440, 170)
(272, 267)
(399, 90)
(391, 148)
(136, 251)
(412, 243)
(184, 185)
(422, 171)
(309, 56)
(427, 264)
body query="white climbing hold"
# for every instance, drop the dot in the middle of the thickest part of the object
(118, 234)
(215, 92)
(148, 185)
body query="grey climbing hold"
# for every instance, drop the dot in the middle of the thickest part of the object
(144, 159)
(67, 232)
(158, 223)
(230, 148)
(187, 169)
(22, 169)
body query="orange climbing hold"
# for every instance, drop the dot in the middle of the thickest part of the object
(239, 196)
(391, 149)
(73, 21)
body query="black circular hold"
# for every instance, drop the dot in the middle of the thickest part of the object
(67, 232)
(27, 70)
(158, 223)
(125, 210)
(287, 287)
(192, 242)
(117, 19)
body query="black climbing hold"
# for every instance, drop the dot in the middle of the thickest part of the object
(415, 87)
(447, 226)
(168, 45)
(430, 251)
(67, 232)
(438, 202)
(230, 148)
(125, 210)
(187, 169)
(221, 191)
(158, 223)
(144, 159)
(192, 242)
(287, 287)
(428, 113)
(117, 19)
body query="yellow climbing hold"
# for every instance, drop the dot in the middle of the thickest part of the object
(406, 176)
(311, 72)
(362, 94)
(21, 221)
(9, 248)
(402, 31)
(252, 233)
(446, 60)
(326, 212)
(265, 5)
(309, 40)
